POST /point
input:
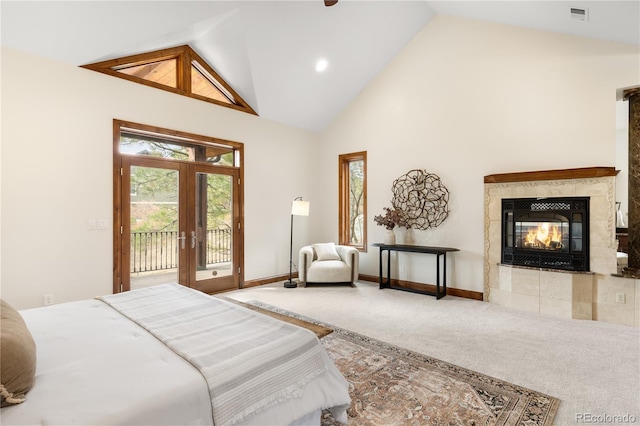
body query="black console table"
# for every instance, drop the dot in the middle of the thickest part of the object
(438, 251)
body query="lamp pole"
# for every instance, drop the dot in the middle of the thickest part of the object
(291, 283)
(298, 208)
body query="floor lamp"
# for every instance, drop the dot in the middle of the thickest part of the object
(298, 208)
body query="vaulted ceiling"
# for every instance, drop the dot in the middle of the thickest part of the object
(267, 50)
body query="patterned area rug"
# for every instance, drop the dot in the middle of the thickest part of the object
(394, 386)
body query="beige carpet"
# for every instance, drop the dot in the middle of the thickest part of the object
(592, 367)
(390, 385)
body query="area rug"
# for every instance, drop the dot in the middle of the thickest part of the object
(390, 385)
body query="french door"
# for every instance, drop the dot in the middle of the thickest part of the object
(176, 221)
(178, 225)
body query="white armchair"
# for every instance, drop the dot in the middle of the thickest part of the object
(328, 263)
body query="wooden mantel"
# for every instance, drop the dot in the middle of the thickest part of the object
(582, 173)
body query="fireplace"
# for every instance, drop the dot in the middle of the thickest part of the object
(546, 233)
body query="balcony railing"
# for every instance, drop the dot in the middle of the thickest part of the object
(158, 250)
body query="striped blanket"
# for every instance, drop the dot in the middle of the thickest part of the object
(250, 361)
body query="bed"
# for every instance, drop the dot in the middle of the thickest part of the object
(169, 355)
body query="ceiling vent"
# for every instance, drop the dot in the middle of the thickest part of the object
(581, 14)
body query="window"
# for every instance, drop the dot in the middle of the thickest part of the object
(179, 70)
(139, 142)
(161, 72)
(352, 202)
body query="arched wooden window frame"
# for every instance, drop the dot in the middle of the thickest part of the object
(185, 58)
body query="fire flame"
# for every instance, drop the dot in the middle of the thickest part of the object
(544, 236)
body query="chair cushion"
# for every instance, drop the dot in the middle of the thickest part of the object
(326, 251)
(328, 271)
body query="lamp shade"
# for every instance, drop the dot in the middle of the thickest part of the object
(300, 208)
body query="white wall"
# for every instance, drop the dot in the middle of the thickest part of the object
(56, 174)
(463, 100)
(466, 99)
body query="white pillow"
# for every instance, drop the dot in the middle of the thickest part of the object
(326, 251)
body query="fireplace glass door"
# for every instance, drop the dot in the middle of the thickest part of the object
(538, 232)
(549, 233)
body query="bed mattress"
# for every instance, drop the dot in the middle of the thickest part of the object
(96, 367)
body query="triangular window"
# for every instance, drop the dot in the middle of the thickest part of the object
(161, 72)
(179, 70)
(205, 85)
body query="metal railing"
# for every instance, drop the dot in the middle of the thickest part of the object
(158, 250)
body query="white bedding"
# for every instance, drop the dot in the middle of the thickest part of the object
(96, 367)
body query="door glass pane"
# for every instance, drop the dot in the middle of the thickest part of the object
(214, 223)
(576, 233)
(508, 232)
(154, 235)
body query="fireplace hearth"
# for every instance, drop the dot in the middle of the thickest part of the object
(548, 233)
(588, 294)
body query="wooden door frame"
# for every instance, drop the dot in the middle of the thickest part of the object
(119, 208)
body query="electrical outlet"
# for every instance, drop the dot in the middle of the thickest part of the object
(48, 299)
(621, 298)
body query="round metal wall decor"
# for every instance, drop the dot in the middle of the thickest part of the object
(421, 198)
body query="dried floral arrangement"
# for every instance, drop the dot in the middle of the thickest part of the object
(390, 219)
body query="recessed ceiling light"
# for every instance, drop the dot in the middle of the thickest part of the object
(321, 65)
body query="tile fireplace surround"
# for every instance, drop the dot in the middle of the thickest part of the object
(595, 295)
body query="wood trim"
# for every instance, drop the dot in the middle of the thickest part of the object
(184, 72)
(117, 209)
(215, 284)
(467, 294)
(268, 280)
(137, 59)
(120, 207)
(344, 199)
(580, 173)
(370, 278)
(364, 204)
(342, 203)
(191, 138)
(245, 106)
(183, 55)
(239, 148)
